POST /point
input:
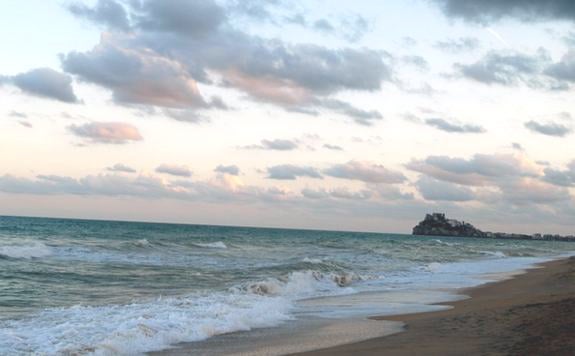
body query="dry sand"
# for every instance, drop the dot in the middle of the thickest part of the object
(531, 314)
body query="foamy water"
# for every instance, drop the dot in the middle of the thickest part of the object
(106, 288)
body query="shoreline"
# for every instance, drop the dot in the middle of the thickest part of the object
(532, 313)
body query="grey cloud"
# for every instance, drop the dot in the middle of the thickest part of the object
(365, 172)
(119, 167)
(185, 17)
(108, 185)
(276, 145)
(462, 44)
(481, 169)
(420, 89)
(18, 114)
(360, 116)
(390, 192)
(549, 128)
(447, 126)
(107, 132)
(333, 147)
(174, 170)
(291, 172)
(279, 145)
(565, 178)
(159, 63)
(486, 11)
(416, 61)
(315, 193)
(231, 169)
(505, 68)
(432, 189)
(323, 25)
(517, 146)
(337, 193)
(531, 191)
(344, 193)
(45, 82)
(564, 69)
(185, 115)
(134, 77)
(106, 12)
(25, 124)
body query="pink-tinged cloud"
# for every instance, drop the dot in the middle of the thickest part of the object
(107, 132)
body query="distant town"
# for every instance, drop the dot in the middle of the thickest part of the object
(437, 224)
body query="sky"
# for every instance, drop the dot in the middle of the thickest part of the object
(316, 114)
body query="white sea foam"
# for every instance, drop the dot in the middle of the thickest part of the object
(312, 260)
(218, 244)
(433, 266)
(494, 253)
(142, 243)
(302, 284)
(25, 250)
(141, 327)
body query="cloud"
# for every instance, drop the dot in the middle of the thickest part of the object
(549, 128)
(184, 17)
(365, 172)
(169, 51)
(231, 169)
(333, 147)
(506, 68)
(480, 169)
(564, 69)
(452, 127)
(291, 172)
(458, 45)
(275, 145)
(174, 170)
(503, 178)
(360, 116)
(528, 190)
(107, 132)
(44, 82)
(106, 12)
(486, 11)
(564, 178)
(122, 168)
(416, 61)
(336, 193)
(135, 77)
(432, 189)
(18, 114)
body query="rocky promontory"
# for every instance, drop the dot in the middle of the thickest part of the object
(437, 224)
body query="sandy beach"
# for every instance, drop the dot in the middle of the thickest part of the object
(530, 314)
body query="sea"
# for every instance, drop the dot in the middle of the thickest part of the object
(84, 287)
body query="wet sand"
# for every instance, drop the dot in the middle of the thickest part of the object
(530, 314)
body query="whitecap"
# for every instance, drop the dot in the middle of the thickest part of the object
(140, 327)
(433, 266)
(218, 244)
(494, 253)
(32, 250)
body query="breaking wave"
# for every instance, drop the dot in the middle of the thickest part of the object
(300, 284)
(141, 327)
(27, 251)
(218, 244)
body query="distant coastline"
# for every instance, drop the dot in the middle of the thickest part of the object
(436, 224)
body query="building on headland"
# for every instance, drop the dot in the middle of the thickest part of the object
(436, 224)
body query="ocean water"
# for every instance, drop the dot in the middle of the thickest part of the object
(106, 287)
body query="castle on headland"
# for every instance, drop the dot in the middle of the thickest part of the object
(437, 224)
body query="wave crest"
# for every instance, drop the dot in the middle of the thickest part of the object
(27, 251)
(217, 244)
(302, 283)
